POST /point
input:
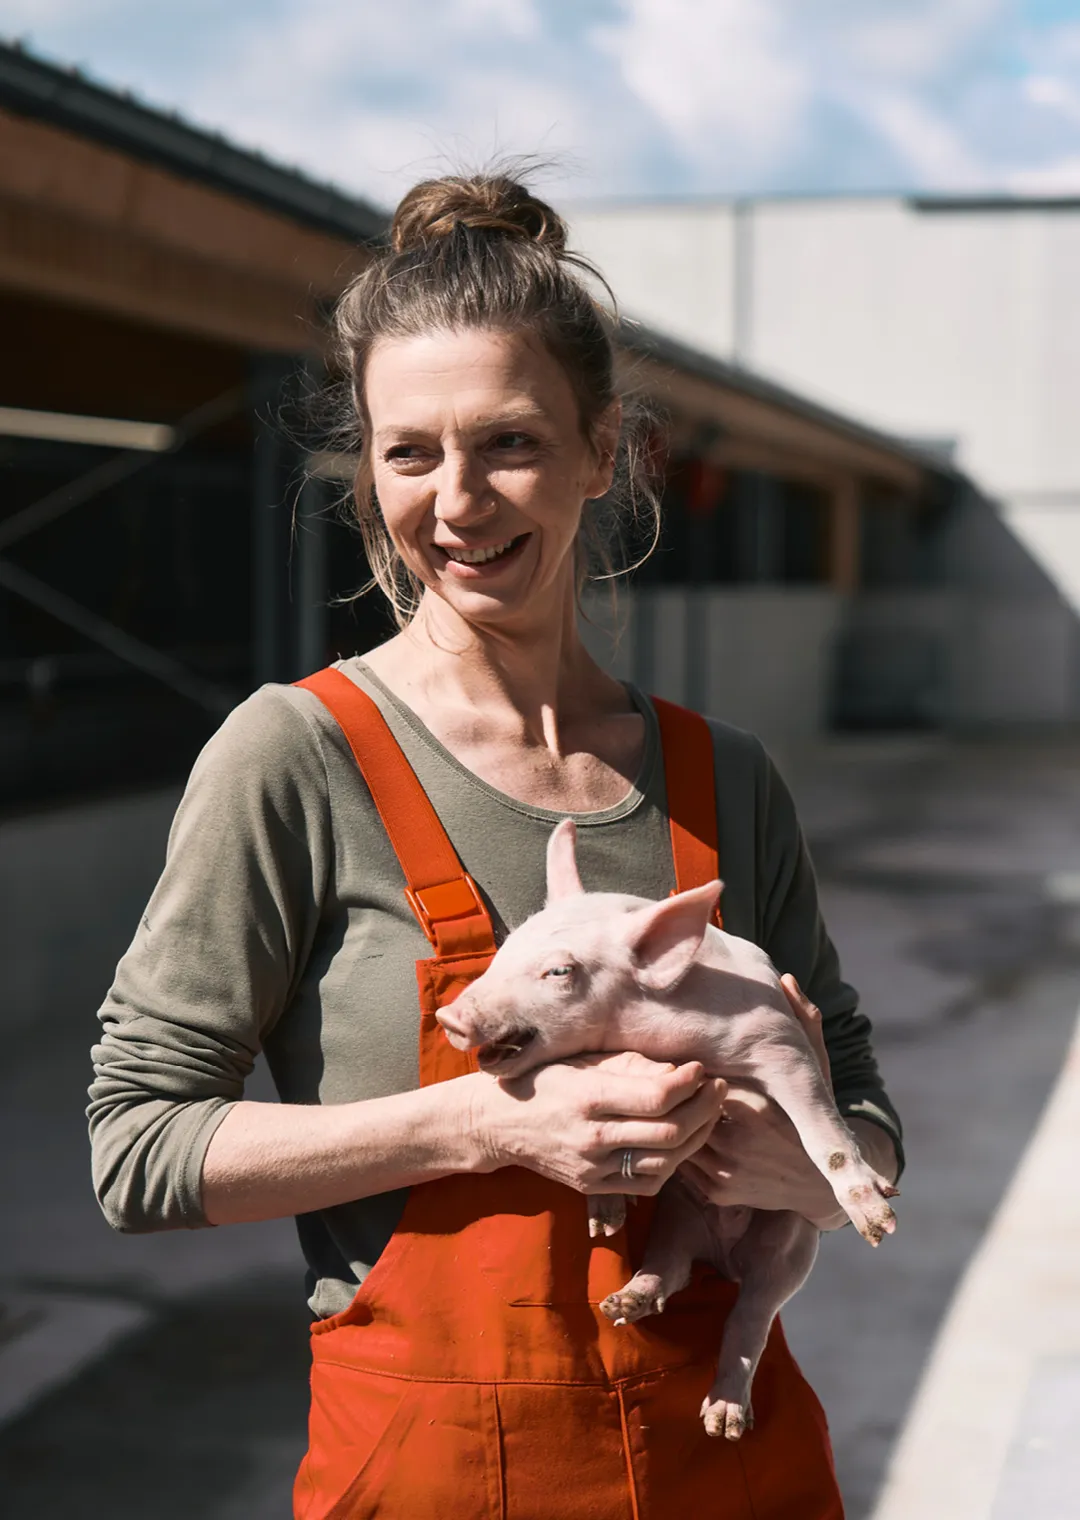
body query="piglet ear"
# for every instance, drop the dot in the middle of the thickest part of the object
(562, 872)
(665, 937)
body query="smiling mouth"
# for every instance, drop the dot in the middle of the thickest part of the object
(485, 556)
(501, 1052)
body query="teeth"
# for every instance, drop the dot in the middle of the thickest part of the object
(479, 556)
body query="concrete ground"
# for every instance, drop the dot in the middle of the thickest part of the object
(153, 1377)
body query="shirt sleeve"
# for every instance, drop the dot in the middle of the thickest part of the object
(214, 961)
(792, 932)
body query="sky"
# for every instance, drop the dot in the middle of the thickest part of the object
(621, 97)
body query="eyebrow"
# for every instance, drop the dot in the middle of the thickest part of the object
(514, 414)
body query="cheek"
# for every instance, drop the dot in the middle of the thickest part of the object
(403, 507)
(566, 1019)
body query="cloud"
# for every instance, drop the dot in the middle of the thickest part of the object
(1062, 177)
(717, 75)
(741, 84)
(646, 96)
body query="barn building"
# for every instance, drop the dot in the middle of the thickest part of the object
(951, 320)
(166, 542)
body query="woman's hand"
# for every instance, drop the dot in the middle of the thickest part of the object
(756, 1157)
(573, 1120)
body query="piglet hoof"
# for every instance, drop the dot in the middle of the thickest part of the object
(643, 1295)
(607, 1214)
(866, 1206)
(727, 1418)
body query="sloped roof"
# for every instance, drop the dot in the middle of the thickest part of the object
(650, 344)
(66, 98)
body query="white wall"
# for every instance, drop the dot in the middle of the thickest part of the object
(943, 324)
(673, 269)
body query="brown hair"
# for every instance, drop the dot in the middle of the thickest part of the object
(481, 251)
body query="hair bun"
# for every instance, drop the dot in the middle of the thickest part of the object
(435, 208)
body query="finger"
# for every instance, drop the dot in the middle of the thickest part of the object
(666, 1131)
(809, 1017)
(625, 1063)
(695, 1121)
(651, 1168)
(709, 1183)
(639, 1097)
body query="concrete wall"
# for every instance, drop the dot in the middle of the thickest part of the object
(675, 271)
(760, 657)
(941, 324)
(945, 658)
(787, 663)
(73, 883)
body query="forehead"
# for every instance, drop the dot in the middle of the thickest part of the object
(469, 376)
(571, 922)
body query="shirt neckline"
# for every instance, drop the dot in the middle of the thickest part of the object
(628, 804)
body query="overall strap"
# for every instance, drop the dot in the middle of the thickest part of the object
(439, 890)
(691, 795)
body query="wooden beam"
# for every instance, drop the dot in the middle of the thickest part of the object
(55, 254)
(771, 429)
(49, 167)
(844, 538)
(84, 224)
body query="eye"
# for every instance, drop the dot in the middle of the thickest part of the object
(510, 442)
(558, 971)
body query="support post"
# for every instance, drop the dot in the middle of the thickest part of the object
(311, 551)
(844, 538)
(271, 525)
(311, 584)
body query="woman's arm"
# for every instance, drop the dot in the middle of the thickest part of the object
(570, 1122)
(213, 963)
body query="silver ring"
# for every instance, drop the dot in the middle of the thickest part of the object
(627, 1167)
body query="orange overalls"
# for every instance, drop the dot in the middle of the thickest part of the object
(473, 1376)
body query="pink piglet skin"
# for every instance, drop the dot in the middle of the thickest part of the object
(603, 971)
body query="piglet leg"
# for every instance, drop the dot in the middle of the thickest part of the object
(607, 1214)
(679, 1235)
(796, 1083)
(771, 1262)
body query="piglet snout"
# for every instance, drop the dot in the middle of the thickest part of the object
(456, 1027)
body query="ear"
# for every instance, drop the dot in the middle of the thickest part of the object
(605, 440)
(665, 937)
(562, 872)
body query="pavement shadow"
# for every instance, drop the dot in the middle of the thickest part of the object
(202, 1413)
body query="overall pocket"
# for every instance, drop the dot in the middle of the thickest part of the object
(437, 1455)
(351, 1415)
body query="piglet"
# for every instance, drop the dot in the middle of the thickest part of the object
(603, 971)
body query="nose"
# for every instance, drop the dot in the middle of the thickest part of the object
(457, 1031)
(463, 494)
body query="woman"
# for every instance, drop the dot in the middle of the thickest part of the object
(375, 829)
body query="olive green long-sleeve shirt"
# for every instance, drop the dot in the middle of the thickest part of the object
(280, 924)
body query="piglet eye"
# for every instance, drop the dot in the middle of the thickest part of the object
(559, 971)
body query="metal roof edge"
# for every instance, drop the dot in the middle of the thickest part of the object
(960, 203)
(66, 98)
(928, 201)
(637, 338)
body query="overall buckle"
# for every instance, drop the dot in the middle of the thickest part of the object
(446, 900)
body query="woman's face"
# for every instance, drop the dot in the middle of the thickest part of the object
(481, 468)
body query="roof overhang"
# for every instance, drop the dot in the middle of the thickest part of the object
(741, 419)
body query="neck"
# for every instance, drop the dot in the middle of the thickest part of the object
(665, 1030)
(533, 670)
